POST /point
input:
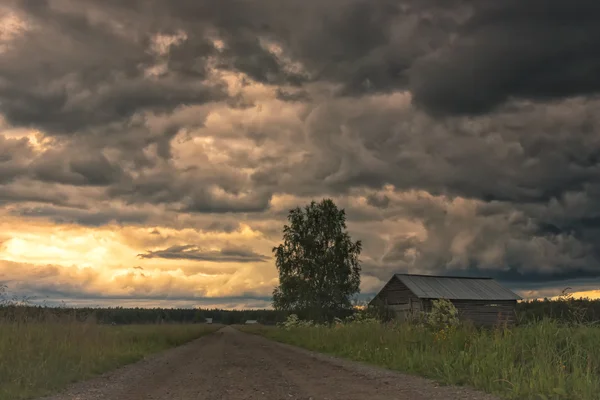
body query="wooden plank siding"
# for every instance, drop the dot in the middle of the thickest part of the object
(395, 292)
(397, 297)
(482, 312)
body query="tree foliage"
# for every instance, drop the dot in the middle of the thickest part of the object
(319, 269)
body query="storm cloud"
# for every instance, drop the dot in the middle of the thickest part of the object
(460, 137)
(195, 253)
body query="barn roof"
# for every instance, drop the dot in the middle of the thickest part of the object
(456, 288)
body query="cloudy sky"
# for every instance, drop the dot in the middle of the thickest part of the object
(150, 149)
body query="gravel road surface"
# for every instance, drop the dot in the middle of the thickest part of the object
(231, 365)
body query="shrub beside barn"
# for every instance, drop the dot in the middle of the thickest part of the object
(483, 301)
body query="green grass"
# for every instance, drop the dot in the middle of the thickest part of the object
(41, 358)
(538, 361)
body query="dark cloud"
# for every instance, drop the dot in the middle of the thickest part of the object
(195, 253)
(527, 155)
(102, 76)
(31, 191)
(535, 279)
(171, 189)
(97, 76)
(223, 226)
(512, 49)
(204, 201)
(300, 95)
(95, 218)
(455, 58)
(378, 200)
(484, 239)
(74, 168)
(14, 158)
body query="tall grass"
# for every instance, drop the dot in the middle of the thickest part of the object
(543, 360)
(38, 358)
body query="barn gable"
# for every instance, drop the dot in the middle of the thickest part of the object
(394, 292)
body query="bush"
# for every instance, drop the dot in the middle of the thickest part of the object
(363, 316)
(293, 321)
(443, 315)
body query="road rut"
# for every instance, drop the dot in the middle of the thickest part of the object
(231, 365)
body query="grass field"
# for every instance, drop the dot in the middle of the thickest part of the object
(40, 358)
(539, 361)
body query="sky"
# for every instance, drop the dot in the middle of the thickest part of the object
(151, 149)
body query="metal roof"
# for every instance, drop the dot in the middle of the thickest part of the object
(456, 288)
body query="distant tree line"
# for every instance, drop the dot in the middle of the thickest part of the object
(157, 315)
(567, 310)
(121, 315)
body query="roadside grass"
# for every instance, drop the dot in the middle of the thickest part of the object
(40, 358)
(541, 361)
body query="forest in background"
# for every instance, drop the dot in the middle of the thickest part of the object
(565, 309)
(126, 316)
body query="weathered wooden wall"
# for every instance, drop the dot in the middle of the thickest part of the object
(395, 292)
(397, 297)
(483, 313)
(402, 312)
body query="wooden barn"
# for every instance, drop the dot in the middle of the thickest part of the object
(483, 301)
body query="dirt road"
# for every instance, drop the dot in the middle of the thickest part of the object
(230, 365)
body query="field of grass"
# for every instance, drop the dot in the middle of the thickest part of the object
(541, 361)
(40, 358)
